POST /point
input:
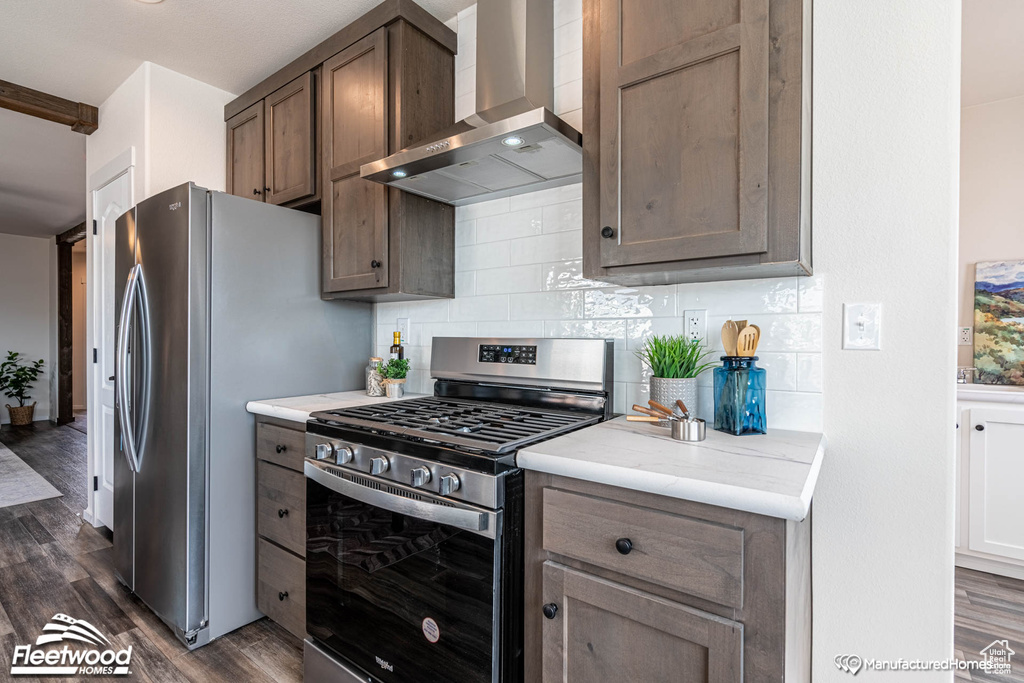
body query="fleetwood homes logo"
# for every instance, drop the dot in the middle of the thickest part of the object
(97, 658)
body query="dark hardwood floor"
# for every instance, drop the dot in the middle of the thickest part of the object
(51, 562)
(988, 608)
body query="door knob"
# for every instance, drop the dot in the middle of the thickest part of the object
(607, 231)
(550, 610)
(980, 428)
(624, 546)
(375, 263)
(282, 513)
(281, 448)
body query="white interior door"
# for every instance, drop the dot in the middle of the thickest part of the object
(996, 506)
(108, 203)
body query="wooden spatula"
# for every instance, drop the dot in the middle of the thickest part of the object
(747, 342)
(729, 335)
(758, 340)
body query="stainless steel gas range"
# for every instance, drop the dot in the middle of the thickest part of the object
(414, 512)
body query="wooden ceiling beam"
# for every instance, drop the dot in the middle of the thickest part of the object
(72, 235)
(83, 118)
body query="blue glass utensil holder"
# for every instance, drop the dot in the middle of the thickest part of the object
(739, 396)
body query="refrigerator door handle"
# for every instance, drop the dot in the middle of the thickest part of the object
(142, 398)
(122, 370)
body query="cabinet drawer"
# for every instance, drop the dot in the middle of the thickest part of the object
(285, 447)
(282, 507)
(281, 587)
(696, 557)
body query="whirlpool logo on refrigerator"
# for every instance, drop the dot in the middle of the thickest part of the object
(93, 654)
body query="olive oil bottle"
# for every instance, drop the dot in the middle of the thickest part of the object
(397, 350)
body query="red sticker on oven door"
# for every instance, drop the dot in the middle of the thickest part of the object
(430, 630)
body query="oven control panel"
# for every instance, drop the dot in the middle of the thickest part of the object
(499, 353)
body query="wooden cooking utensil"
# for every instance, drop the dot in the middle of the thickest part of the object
(758, 339)
(682, 407)
(649, 412)
(740, 324)
(659, 407)
(642, 418)
(747, 342)
(729, 336)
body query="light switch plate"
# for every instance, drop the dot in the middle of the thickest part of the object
(402, 325)
(966, 337)
(862, 327)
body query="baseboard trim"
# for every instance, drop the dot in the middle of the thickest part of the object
(990, 566)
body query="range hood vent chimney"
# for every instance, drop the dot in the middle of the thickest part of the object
(513, 143)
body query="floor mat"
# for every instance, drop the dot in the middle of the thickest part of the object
(19, 483)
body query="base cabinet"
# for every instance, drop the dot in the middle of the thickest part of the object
(281, 523)
(625, 585)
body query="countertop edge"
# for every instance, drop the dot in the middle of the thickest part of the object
(270, 410)
(792, 508)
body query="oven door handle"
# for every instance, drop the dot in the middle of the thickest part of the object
(481, 522)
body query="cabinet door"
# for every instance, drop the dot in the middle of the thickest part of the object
(245, 153)
(684, 129)
(290, 139)
(355, 211)
(995, 505)
(604, 631)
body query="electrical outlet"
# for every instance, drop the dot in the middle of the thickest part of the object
(695, 324)
(966, 336)
(402, 326)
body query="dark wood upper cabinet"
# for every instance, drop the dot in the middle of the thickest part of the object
(245, 153)
(696, 140)
(290, 140)
(383, 83)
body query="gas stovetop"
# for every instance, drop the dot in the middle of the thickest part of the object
(475, 426)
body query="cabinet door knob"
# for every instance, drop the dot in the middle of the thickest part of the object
(281, 448)
(375, 263)
(980, 428)
(283, 512)
(624, 546)
(550, 610)
(282, 595)
(256, 191)
(607, 231)
(266, 189)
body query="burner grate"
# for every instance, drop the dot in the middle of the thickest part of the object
(476, 425)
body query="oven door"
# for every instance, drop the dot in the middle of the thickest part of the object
(399, 582)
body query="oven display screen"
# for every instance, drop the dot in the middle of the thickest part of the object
(521, 355)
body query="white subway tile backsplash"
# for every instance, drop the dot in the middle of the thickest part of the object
(543, 248)
(519, 273)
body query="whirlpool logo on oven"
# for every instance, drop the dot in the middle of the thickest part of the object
(97, 658)
(384, 664)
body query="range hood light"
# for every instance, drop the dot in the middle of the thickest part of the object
(398, 174)
(513, 141)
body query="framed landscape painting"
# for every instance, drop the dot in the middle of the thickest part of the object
(999, 322)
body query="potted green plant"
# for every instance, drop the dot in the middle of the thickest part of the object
(394, 373)
(16, 377)
(675, 362)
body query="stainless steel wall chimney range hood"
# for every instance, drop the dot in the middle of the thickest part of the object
(513, 143)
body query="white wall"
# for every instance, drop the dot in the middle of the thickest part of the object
(991, 201)
(886, 129)
(26, 289)
(519, 273)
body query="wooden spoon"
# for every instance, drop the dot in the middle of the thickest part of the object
(729, 334)
(747, 342)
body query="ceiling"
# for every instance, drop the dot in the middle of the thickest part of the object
(992, 61)
(42, 176)
(83, 50)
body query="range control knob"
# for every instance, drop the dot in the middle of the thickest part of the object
(343, 455)
(420, 476)
(448, 484)
(379, 465)
(324, 451)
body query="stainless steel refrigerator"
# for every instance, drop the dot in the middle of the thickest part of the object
(218, 304)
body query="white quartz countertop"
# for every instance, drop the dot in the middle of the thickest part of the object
(771, 475)
(991, 393)
(298, 408)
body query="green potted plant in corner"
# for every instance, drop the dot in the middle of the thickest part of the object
(394, 373)
(16, 377)
(675, 362)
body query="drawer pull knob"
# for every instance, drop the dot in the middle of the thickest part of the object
(283, 512)
(282, 595)
(281, 448)
(980, 428)
(607, 232)
(624, 546)
(550, 610)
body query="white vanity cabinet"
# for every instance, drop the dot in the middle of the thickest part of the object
(990, 477)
